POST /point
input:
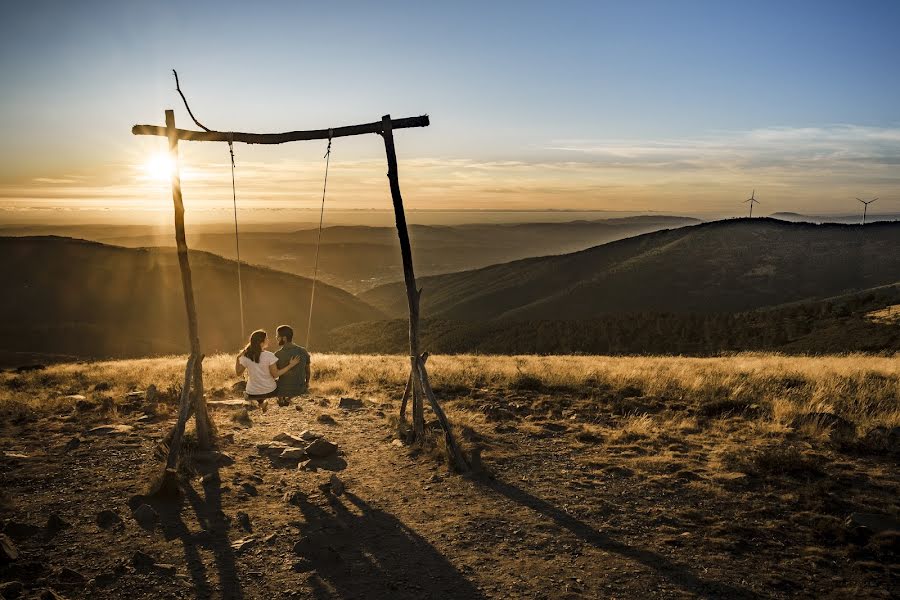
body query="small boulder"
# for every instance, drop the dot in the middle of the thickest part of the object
(8, 550)
(243, 521)
(243, 545)
(350, 403)
(272, 450)
(69, 576)
(249, 489)
(146, 516)
(290, 440)
(309, 436)
(108, 519)
(55, 523)
(297, 454)
(325, 419)
(142, 560)
(11, 590)
(321, 448)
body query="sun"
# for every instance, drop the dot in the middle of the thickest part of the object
(159, 167)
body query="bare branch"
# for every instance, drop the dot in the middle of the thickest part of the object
(186, 105)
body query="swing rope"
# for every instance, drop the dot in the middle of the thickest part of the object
(312, 293)
(237, 242)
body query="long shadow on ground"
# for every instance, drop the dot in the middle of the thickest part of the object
(213, 536)
(359, 551)
(678, 573)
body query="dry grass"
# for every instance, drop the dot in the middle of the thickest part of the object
(773, 389)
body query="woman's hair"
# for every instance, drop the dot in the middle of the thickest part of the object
(254, 347)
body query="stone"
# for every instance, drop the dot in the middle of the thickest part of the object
(70, 577)
(874, 522)
(108, 519)
(350, 404)
(272, 450)
(325, 419)
(397, 443)
(321, 448)
(166, 568)
(213, 457)
(309, 436)
(146, 516)
(142, 560)
(20, 531)
(110, 429)
(337, 486)
(74, 397)
(9, 454)
(56, 523)
(293, 454)
(243, 520)
(8, 550)
(243, 545)
(290, 440)
(302, 566)
(11, 589)
(293, 497)
(85, 405)
(249, 489)
(232, 404)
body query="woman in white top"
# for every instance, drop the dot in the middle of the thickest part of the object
(261, 368)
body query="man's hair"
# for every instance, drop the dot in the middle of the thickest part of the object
(285, 331)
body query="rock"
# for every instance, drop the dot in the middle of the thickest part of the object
(325, 419)
(309, 436)
(166, 568)
(249, 489)
(243, 520)
(8, 550)
(56, 523)
(69, 576)
(290, 440)
(350, 403)
(232, 404)
(108, 519)
(397, 443)
(20, 531)
(72, 444)
(85, 405)
(146, 516)
(293, 454)
(142, 560)
(74, 398)
(874, 522)
(302, 566)
(321, 448)
(9, 454)
(110, 429)
(293, 497)
(271, 450)
(11, 589)
(243, 545)
(337, 486)
(227, 438)
(284, 401)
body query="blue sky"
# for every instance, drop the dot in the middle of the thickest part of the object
(666, 106)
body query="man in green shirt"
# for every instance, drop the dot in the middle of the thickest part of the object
(296, 381)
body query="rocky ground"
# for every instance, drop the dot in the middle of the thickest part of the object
(606, 505)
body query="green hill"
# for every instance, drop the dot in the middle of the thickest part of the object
(85, 299)
(719, 267)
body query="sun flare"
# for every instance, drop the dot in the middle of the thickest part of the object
(159, 167)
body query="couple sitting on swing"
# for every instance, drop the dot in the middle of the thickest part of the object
(282, 374)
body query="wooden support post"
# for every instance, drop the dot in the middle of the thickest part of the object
(421, 386)
(204, 428)
(184, 409)
(409, 390)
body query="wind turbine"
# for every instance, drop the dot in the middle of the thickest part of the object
(866, 207)
(752, 200)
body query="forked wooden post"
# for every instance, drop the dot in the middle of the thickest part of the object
(201, 415)
(421, 386)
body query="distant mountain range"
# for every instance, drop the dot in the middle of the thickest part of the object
(357, 258)
(853, 219)
(723, 266)
(85, 299)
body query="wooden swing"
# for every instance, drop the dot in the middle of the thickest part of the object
(418, 385)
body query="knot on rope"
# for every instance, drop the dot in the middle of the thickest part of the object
(328, 150)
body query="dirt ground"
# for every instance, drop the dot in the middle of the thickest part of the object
(571, 507)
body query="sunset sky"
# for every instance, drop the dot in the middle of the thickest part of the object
(673, 107)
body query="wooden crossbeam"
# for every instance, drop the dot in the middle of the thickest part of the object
(281, 138)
